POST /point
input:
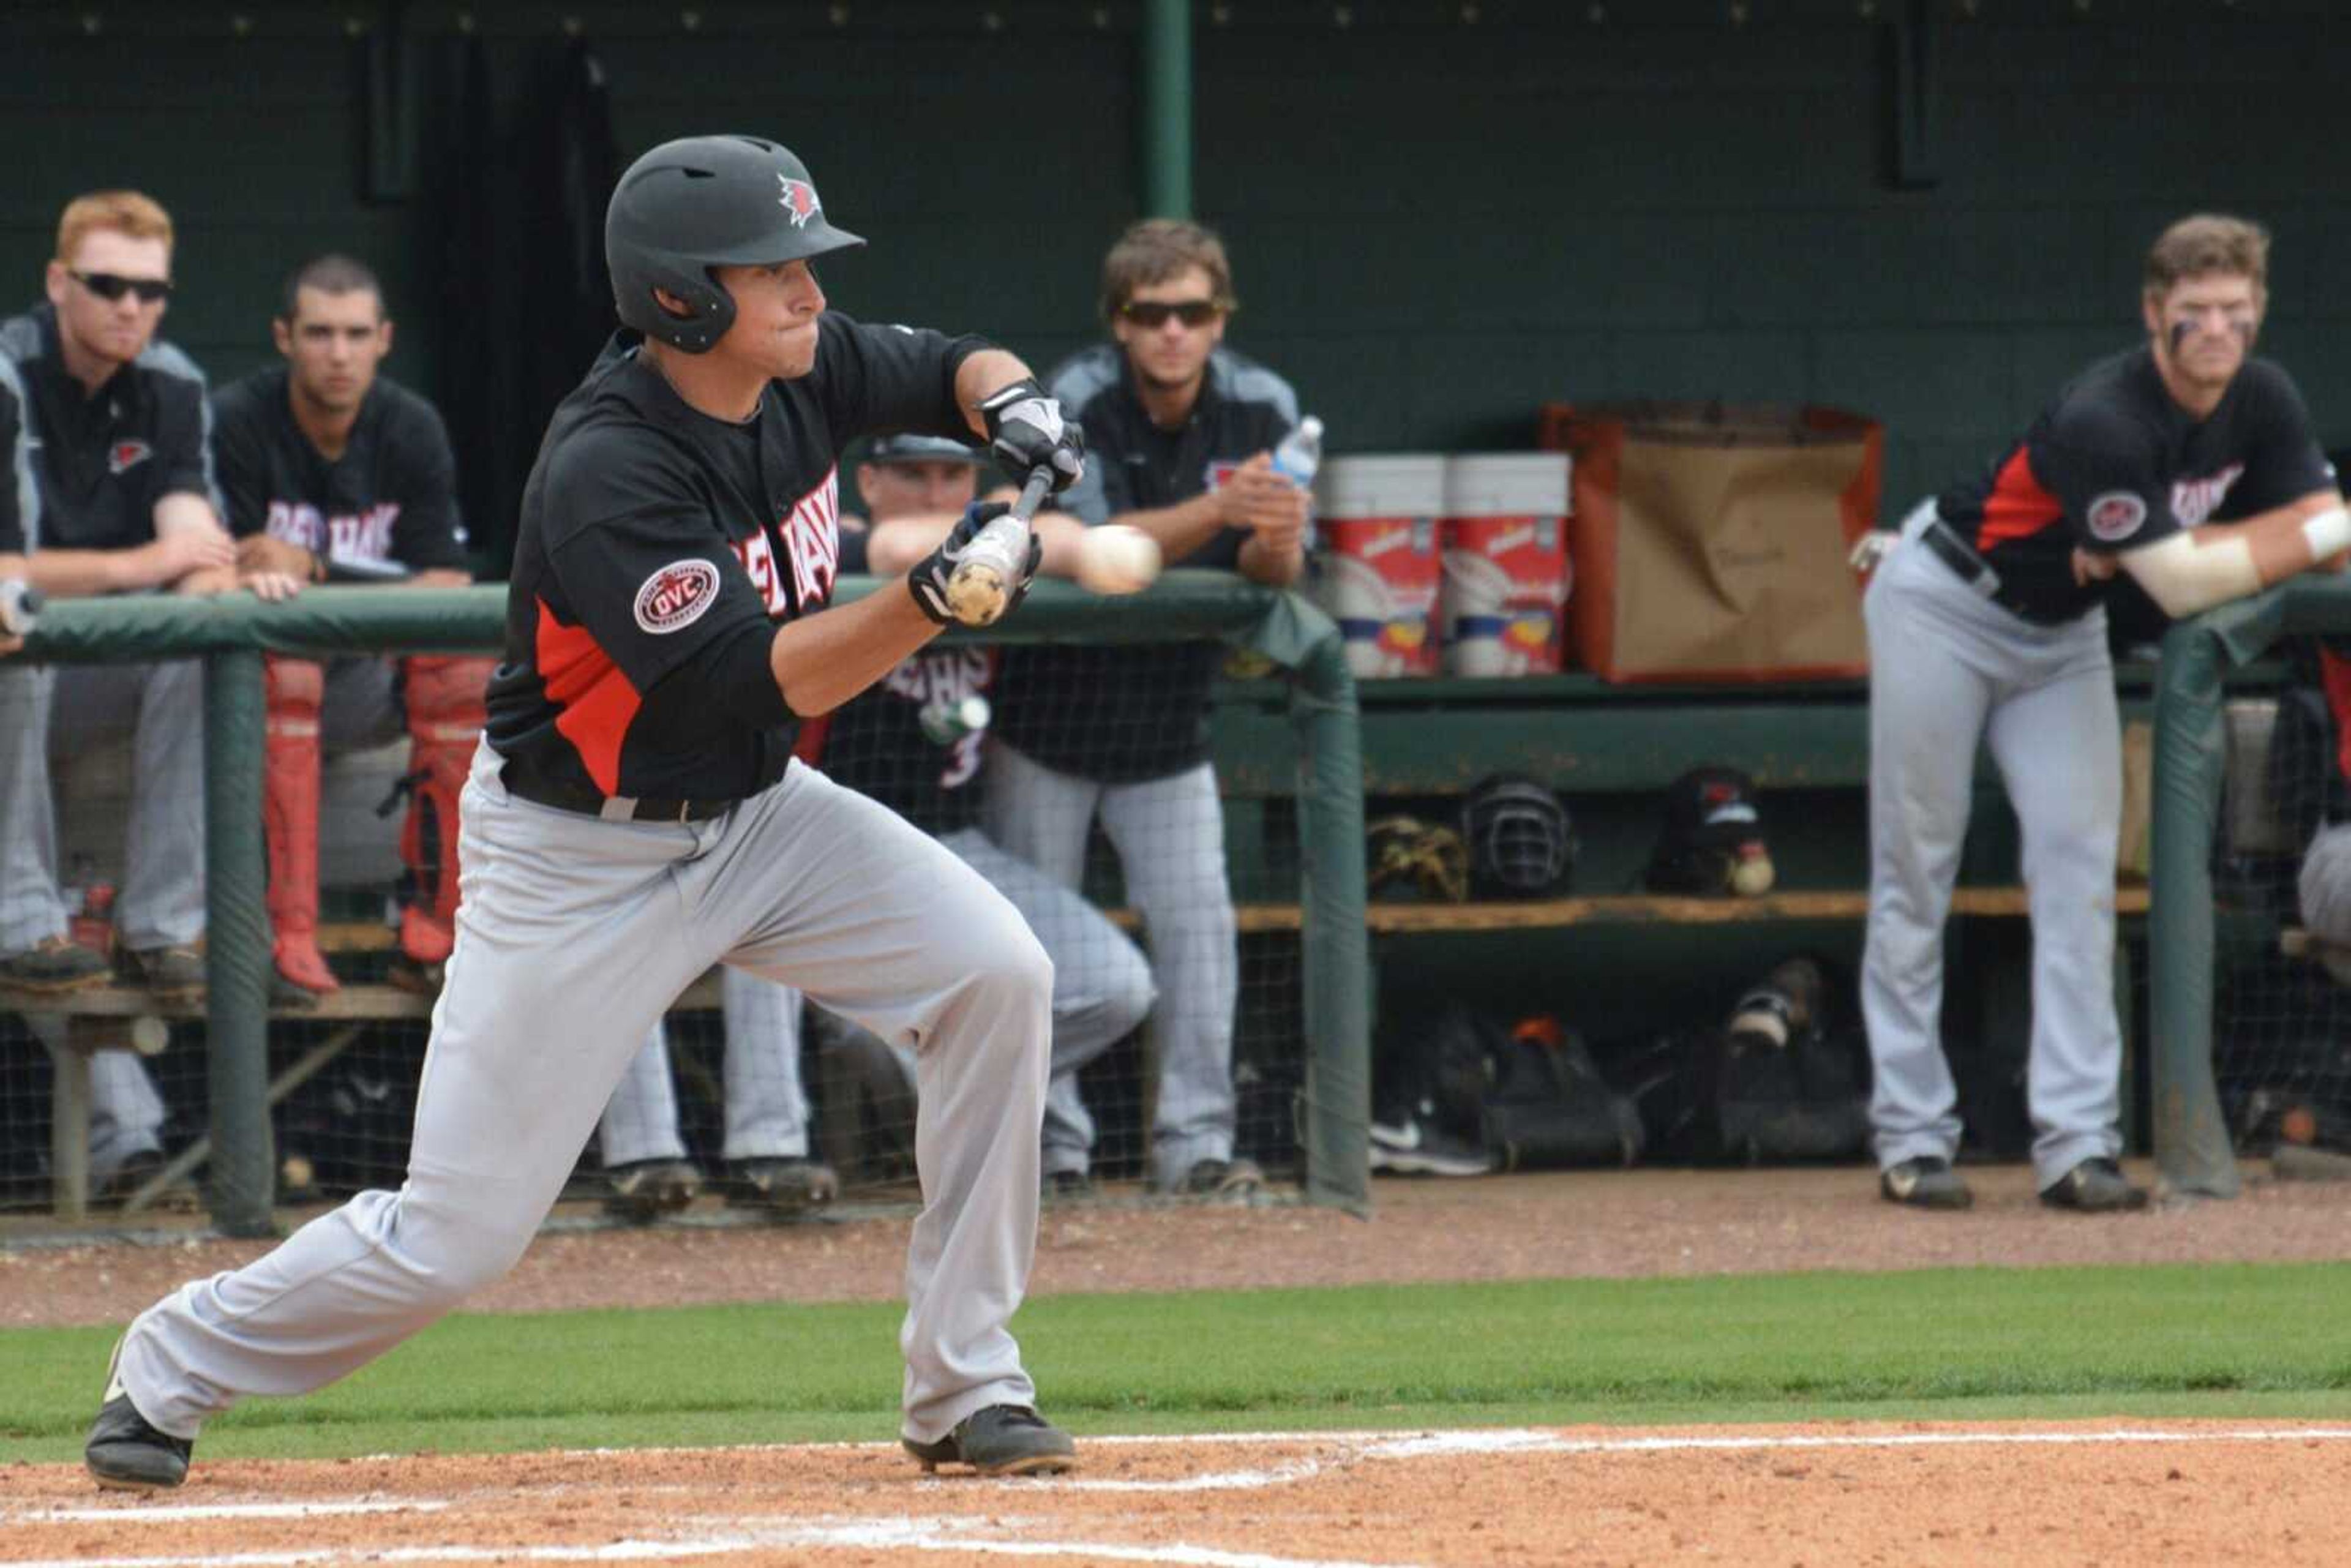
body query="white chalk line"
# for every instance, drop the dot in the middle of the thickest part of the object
(953, 1534)
(943, 1535)
(174, 1513)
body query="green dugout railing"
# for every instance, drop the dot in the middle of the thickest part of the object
(2192, 1147)
(232, 632)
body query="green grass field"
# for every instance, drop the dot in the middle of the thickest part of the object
(2266, 1340)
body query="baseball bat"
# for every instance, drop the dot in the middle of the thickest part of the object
(981, 584)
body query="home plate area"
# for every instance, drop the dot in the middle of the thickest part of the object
(2044, 1493)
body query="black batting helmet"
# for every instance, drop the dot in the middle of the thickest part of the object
(1520, 841)
(702, 201)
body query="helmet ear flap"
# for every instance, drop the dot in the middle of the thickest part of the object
(710, 308)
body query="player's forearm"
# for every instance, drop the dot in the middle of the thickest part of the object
(894, 547)
(183, 509)
(822, 660)
(1274, 565)
(984, 373)
(89, 573)
(2218, 562)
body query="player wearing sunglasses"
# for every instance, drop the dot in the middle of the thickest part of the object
(121, 479)
(1179, 432)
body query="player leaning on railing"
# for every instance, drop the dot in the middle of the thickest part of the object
(2189, 465)
(635, 815)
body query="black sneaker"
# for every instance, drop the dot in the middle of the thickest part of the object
(1927, 1182)
(126, 1453)
(1001, 1440)
(176, 971)
(1235, 1179)
(783, 1186)
(1408, 1146)
(54, 963)
(642, 1191)
(2096, 1186)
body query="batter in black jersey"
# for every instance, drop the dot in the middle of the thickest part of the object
(1986, 625)
(634, 817)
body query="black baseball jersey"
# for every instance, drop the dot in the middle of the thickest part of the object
(390, 500)
(1124, 714)
(20, 498)
(2114, 464)
(877, 745)
(657, 548)
(102, 462)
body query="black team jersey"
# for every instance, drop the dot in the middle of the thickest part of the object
(2114, 464)
(1124, 714)
(657, 549)
(389, 502)
(876, 744)
(103, 461)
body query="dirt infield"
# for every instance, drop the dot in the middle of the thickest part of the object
(1916, 1496)
(2056, 1494)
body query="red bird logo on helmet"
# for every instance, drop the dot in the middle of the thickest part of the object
(799, 200)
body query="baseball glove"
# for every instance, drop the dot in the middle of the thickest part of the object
(1418, 859)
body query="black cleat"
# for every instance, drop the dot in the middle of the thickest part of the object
(126, 1453)
(642, 1191)
(2096, 1186)
(1001, 1440)
(1927, 1182)
(781, 1185)
(1233, 1179)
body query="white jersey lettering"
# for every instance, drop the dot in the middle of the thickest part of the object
(2193, 501)
(811, 535)
(364, 537)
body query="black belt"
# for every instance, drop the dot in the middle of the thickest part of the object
(1972, 568)
(624, 807)
(1978, 573)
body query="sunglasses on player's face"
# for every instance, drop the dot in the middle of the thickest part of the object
(1151, 314)
(112, 286)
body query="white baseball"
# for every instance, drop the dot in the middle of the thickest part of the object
(1115, 558)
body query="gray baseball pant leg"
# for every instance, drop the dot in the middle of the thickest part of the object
(878, 921)
(2059, 745)
(1041, 817)
(639, 1121)
(32, 908)
(164, 855)
(1101, 983)
(1170, 836)
(570, 941)
(1927, 705)
(766, 1107)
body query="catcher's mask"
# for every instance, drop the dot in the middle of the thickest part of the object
(1520, 841)
(702, 201)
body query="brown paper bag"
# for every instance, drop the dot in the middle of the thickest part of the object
(1708, 541)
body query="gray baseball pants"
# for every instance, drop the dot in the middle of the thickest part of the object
(573, 935)
(1949, 668)
(163, 898)
(1170, 836)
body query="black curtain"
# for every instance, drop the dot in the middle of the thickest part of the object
(518, 235)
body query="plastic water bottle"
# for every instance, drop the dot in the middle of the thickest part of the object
(1300, 453)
